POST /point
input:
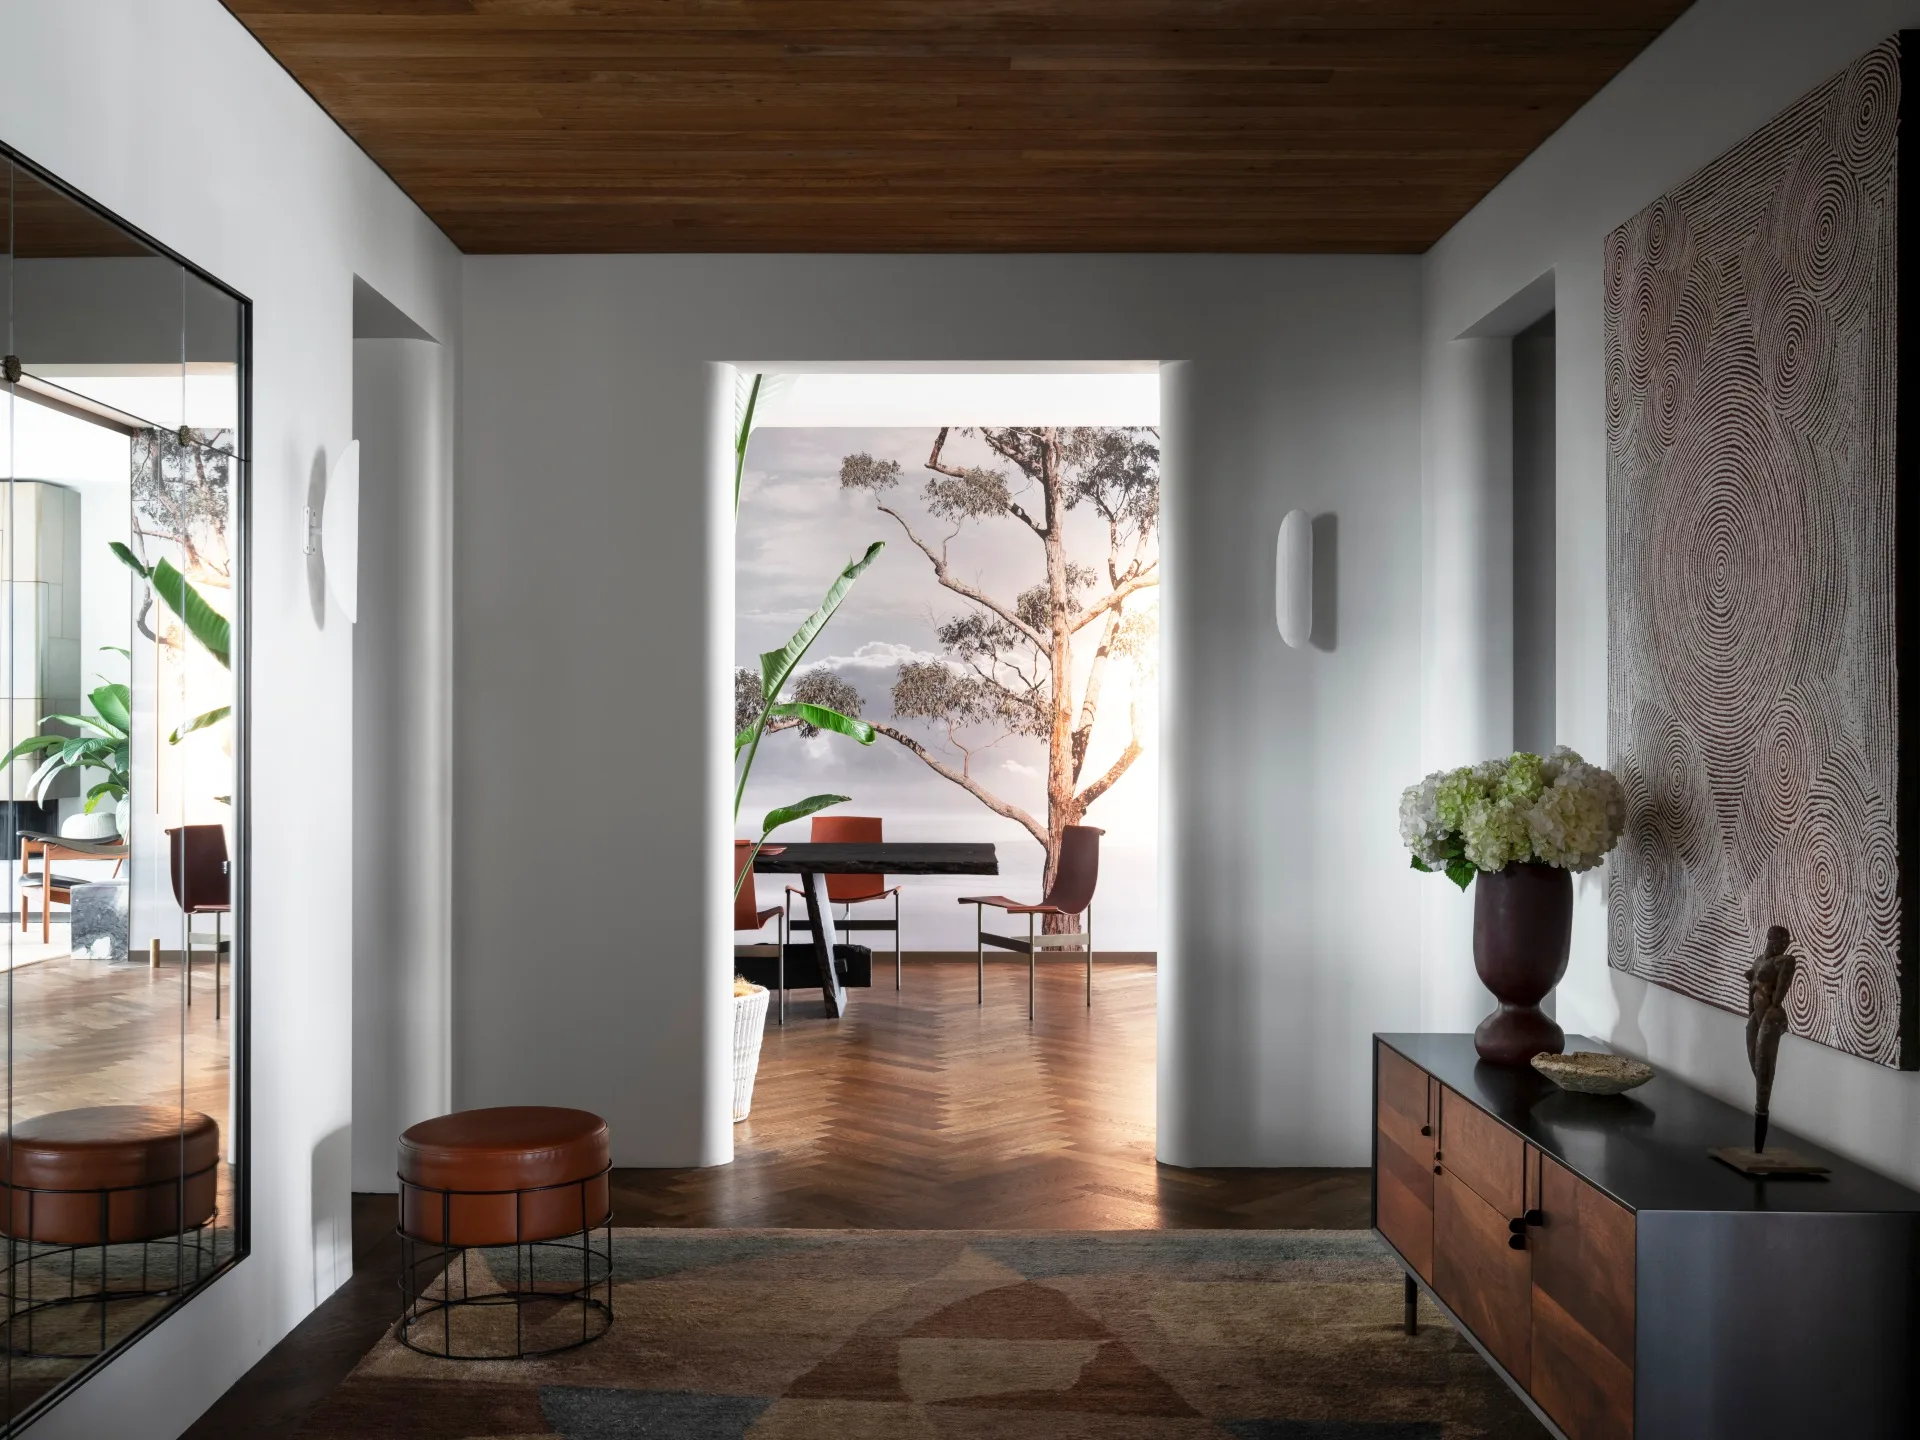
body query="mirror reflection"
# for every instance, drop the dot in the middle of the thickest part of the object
(121, 450)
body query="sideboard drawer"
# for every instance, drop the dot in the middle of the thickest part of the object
(1403, 1169)
(1583, 1311)
(1483, 1153)
(1480, 1276)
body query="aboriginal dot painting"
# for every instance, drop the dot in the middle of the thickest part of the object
(1752, 407)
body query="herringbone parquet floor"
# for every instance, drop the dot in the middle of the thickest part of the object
(922, 1110)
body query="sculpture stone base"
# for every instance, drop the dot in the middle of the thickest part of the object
(1765, 1163)
(99, 921)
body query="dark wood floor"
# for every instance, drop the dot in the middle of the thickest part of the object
(919, 1110)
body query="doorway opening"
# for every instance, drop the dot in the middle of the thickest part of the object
(999, 655)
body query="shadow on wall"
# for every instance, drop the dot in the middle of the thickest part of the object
(1326, 583)
(316, 561)
(332, 1212)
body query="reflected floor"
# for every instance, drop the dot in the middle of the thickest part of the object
(91, 1032)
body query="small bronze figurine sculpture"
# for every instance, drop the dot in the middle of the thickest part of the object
(1769, 979)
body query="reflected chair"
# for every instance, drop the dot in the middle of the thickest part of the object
(1070, 894)
(847, 891)
(197, 862)
(58, 889)
(748, 916)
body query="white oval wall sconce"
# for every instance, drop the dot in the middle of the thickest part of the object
(1293, 579)
(334, 533)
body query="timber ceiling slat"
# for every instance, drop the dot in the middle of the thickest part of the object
(875, 125)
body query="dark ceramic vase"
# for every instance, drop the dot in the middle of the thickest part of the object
(1522, 926)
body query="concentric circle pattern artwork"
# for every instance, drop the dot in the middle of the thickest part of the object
(1752, 416)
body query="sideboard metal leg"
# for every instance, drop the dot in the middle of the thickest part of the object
(1413, 1306)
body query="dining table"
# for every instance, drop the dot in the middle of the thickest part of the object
(814, 863)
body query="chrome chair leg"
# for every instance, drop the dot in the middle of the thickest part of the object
(783, 968)
(216, 965)
(979, 959)
(896, 940)
(1032, 965)
(1089, 954)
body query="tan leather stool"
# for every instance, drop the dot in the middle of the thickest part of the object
(80, 1180)
(529, 1177)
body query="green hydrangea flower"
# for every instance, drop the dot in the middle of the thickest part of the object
(1523, 779)
(1456, 794)
(1496, 834)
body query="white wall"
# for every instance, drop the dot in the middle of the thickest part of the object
(1724, 69)
(245, 176)
(592, 589)
(402, 774)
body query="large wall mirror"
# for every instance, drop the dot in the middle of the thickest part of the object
(122, 552)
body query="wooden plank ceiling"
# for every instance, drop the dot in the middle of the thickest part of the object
(934, 125)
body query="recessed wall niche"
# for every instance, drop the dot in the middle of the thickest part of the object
(123, 526)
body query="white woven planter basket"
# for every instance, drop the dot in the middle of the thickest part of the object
(749, 1024)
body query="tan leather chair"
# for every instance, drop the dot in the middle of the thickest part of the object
(1070, 894)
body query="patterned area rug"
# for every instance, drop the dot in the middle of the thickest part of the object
(923, 1335)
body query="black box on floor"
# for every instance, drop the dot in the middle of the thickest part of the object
(854, 962)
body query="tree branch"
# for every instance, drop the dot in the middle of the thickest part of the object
(1119, 767)
(1090, 699)
(938, 559)
(965, 782)
(935, 464)
(1145, 580)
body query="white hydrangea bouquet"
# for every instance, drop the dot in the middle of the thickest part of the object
(1554, 810)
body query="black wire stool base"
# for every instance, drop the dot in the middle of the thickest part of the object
(426, 1324)
(25, 1256)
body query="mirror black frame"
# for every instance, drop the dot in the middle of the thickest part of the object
(240, 1058)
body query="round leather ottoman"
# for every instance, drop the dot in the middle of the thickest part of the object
(503, 1176)
(526, 1185)
(108, 1175)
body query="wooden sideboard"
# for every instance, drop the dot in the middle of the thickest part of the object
(1625, 1283)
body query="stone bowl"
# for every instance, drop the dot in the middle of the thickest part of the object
(1587, 1072)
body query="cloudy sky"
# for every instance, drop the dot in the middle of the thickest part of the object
(797, 528)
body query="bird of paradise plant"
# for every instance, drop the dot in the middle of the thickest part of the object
(777, 668)
(206, 624)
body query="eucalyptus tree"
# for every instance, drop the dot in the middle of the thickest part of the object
(1009, 663)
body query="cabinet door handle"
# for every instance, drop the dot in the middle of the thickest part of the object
(1426, 1130)
(1535, 1217)
(1517, 1226)
(1517, 1242)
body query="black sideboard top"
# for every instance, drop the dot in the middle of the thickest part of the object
(1648, 1148)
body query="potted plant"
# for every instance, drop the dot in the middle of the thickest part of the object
(777, 669)
(1521, 827)
(103, 744)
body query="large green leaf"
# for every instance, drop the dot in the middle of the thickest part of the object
(93, 722)
(787, 814)
(203, 622)
(50, 770)
(777, 665)
(115, 704)
(127, 558)
(33, 744)
(741, 437)
(105, 787)
(821, 718)
(200, 722)
(206, 624)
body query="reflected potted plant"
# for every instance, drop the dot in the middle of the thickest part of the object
(103, 744)
(1518, 830)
